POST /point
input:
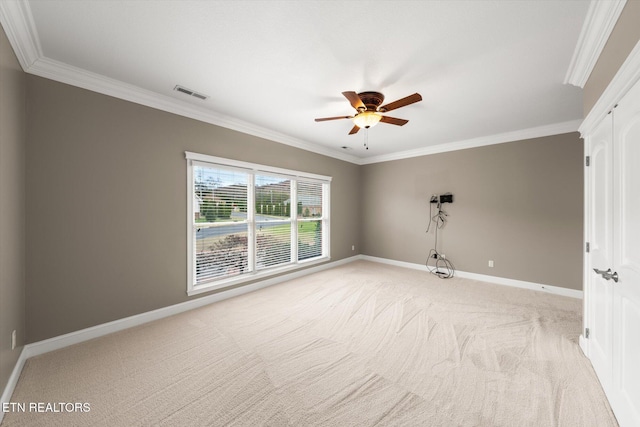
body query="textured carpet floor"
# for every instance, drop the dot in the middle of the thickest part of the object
(363, 344)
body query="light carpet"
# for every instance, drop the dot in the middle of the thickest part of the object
(363, 344)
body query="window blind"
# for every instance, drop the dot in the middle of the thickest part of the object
(220, 224)
(273, 221)
(247, 219)
(310, 215)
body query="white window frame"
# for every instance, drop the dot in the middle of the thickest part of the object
(196, 159)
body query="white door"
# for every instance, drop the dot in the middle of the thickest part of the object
(600, 292)
(625, 396)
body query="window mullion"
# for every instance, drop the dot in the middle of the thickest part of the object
(326, 208)
(191, 272)
(251, 219)
(220, 251)
(294, 220)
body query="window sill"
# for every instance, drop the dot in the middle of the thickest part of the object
(250, 277)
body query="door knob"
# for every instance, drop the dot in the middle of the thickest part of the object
(607, 275)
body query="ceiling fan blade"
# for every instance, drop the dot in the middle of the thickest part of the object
(355, 129)
(401, 102)
(394, 121)
(355, 100)
(324, 119)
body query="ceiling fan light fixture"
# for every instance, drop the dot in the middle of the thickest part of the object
(367, 119)
(367, 105)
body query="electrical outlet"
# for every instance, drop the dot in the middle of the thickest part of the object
(491, 263)
(353, 247)
(13, 339)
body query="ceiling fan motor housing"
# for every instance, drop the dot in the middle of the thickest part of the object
(371, 100)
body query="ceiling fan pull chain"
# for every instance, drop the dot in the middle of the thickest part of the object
(366, 138)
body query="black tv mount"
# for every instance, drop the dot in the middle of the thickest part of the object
(444, 198)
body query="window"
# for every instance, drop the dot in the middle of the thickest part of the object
(248, 221)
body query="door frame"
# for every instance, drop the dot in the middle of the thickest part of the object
(627, 76)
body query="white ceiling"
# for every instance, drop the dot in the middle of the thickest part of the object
(270, 67)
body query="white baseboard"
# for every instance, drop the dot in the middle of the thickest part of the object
(485, 278)
(82, 335)
(56, 343)
(566, 292)
(13, 380)
(394, 262)
(583, 345)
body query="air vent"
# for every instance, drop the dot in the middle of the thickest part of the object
(190, 92)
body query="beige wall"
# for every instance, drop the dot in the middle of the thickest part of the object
(519, 204)
(12, 207)
(622, 40)
(106, 214)
(107, 204)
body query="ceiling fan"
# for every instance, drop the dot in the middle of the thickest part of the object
(367, 105)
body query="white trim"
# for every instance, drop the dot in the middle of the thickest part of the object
(254, 275)
(584, 346)
(252, 169)
(326, 219)
(17, 21)
(97, 331)
(13, 379)
(394, 262)
(586, 256)
(251, 229)
(625, 78)
(191, 265)
(566, 292)
(62, 341)
(518, 135)
(294, 224)
(253, 166)
(58, 71)
(602, 17)
(485, 278)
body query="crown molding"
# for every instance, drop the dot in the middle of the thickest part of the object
(64, 73)
(74, 76)
(17, 21)
(627, 76)
(518, 135)
(598, 25)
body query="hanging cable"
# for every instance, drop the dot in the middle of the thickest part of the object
(441, 267)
